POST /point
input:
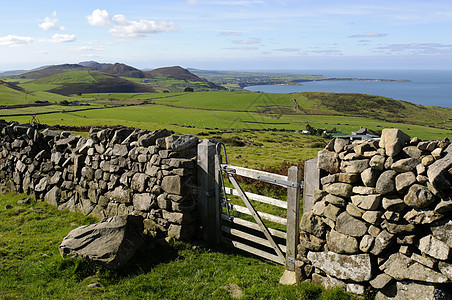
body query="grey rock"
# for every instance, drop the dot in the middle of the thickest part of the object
(185, 142)
(53, 196)
(355, 267)
(335, 200)
(111, 242)
(438, 172)
(149, 139)
(119, 194)
(404, 290)
(339, 144)
(370, 177)
(401, 267)
(419, 196)
(377, 162)
(412, 151)
(446, 269)
(331, 212)
(393, 140)
(380, 281)
(351, 226)
(339, 189)
(404, 180)
(328, 161)
(386, 182)
(393, 204)
(422, 216)
(382, 241)
(367, 202)
(434, 247)
(355, 166)
(312, 224)
(139, 182)
(405, 165)
(442, 230)
(366, 243)
(142, 202)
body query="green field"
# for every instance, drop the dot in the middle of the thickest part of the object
(32, 268)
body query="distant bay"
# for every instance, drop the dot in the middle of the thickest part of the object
(426, 87)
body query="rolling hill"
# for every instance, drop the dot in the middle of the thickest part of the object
(85, 81)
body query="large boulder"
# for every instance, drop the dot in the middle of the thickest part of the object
(111, 242)
(438, 172)
(393, 140)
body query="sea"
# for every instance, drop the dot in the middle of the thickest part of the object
(426, 87)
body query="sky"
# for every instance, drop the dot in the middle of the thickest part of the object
(228, 34)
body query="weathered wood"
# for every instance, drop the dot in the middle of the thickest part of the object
(265, 216)
(311, 182)
(250, 173)
(250, 237)
(256, 216)
(248, 224)
(208, 204)
(259, 198)
(252, 250)
(293, 217)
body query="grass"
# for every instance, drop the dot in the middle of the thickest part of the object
(31, 267)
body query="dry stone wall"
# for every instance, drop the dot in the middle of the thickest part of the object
(113, 172)
(382, 218)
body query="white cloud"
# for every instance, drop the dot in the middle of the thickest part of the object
(133, 29)
(88, 48)
(124, 28)
(369, 35)
(51, 23)
(12, 40)
(99, 17)
(191, 2)
(229, 33)
(242, 48)
(418, 48)
(247, 42)
(62, 38)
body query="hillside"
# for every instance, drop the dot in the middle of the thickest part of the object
(175, 72)
(52, 70)
(80, 82)
(371, 106)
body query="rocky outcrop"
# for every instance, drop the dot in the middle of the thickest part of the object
(389, 202)
(111, 242)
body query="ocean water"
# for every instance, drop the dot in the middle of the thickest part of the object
(426, 87)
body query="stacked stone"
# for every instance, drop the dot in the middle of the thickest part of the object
(113, 172)
(382, 218)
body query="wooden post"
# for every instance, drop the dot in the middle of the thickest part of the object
(311, 182)
(208, 204)
(293, 217)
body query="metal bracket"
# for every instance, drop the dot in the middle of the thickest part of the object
(291, 260)
(279, 181)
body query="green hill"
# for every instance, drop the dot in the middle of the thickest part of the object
(11, 94)
(80, 82)
(371, 106)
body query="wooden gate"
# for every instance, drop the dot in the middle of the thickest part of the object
(257, 238)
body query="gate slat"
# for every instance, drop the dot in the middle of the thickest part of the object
(250, 237)
(250, 173)
(253, 250)
(245, 223)
(263, 215)
(259, 198)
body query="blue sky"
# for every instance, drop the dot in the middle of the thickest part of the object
(229, 34)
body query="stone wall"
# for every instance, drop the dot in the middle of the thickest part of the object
(382, 218)
(113, 172)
